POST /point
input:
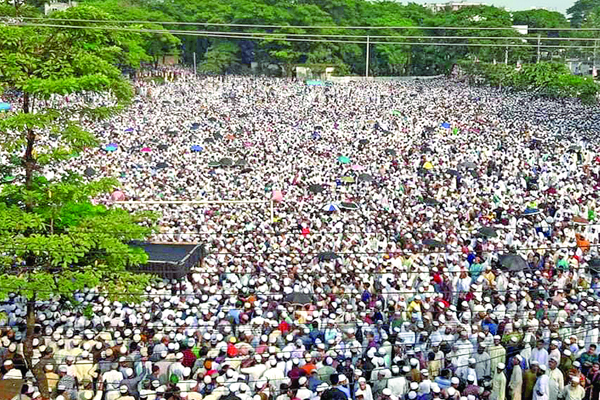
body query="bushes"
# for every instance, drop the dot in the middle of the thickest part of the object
(549, 79)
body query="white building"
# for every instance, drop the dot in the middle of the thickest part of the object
(453, 5)
(58, 6)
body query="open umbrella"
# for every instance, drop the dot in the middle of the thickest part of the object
(468, 165)
(344, 159)
(452, 172)
(363, 141)
(212, 119)
(162, 147)
(246, 170)
(445, 125)
(390, 152)
(574, 148)
(89, 172)
(8, 179)
(277, 196)
(129, 130)
(331, 207)
(433, 243)
(348, 206)
(110, 148)
(209, 140)
(430, 201)
(231, 149)
(5, 107)
(214, 164)
(162, 165)
(117, 195)
(195, 126)
(488, 232)
(172, 131)
(532, 211)
(365, 178)
(196, 148)
(298, 298)
(396, 113)
(580, 221)
(316, 188)
(226, 162)
(357, 167)
(146, 150)
(327, 256)
(241, 162)
(428, 166)
(513, 262)
(347, 179)
(318, 127)
(217, 136)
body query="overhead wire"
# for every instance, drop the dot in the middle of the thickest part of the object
(293, 39)
(306, 26)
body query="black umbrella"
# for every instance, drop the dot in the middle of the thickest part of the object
(298, 298)
(214, 164)
(452, 172)
(226, 162)
(390, 152)
(241, 162)
(217, 136)
(231, 149)
(574, 148)
(246, 170)
(89, 172)
(209, 140)
(327, 256)
(487, 231)
(318, 127)
(468, 165)
(212, 119)
(316, 188)
(365, 178)
(513, 262)
(161, 165)
(431, 201)
(348, 206)
(363, 141)
(162, 147)
(433, 243)
(172, 131)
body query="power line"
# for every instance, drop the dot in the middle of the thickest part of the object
(284, 38)
(342, 27)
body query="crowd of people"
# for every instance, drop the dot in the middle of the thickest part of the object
(428, 240)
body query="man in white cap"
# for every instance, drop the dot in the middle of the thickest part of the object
(540, 390)
(556, 380)
(11, 371)
(573, 391)
(515, 386)
(499, 384)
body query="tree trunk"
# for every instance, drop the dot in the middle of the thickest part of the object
(38, 373)
(28, 158)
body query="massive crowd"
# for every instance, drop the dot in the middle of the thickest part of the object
(428, 241)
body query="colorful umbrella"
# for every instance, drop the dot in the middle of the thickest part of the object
(347, 179)
(428, 165)
(5, 107)
(117, 195)
(277, 196)
(129, 130)
(196, 148)
(110, 147)
(357, 167)
(146, 150)
(396, 112)
(445, 125)
(331, 207)
(344, 159)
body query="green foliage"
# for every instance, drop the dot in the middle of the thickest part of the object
(220, 58)
(580, 10)
(53, 239)
(549, 79)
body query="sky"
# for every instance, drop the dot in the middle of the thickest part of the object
(515, 5)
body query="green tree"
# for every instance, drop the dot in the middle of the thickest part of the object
(221, 57)
(580, 10)
(54, 240)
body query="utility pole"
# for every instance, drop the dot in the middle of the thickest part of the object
(506, 56)
(538, 50)
(194, 63)
(594, 61)
(368, 56)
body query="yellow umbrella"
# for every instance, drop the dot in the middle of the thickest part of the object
(428, 165)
